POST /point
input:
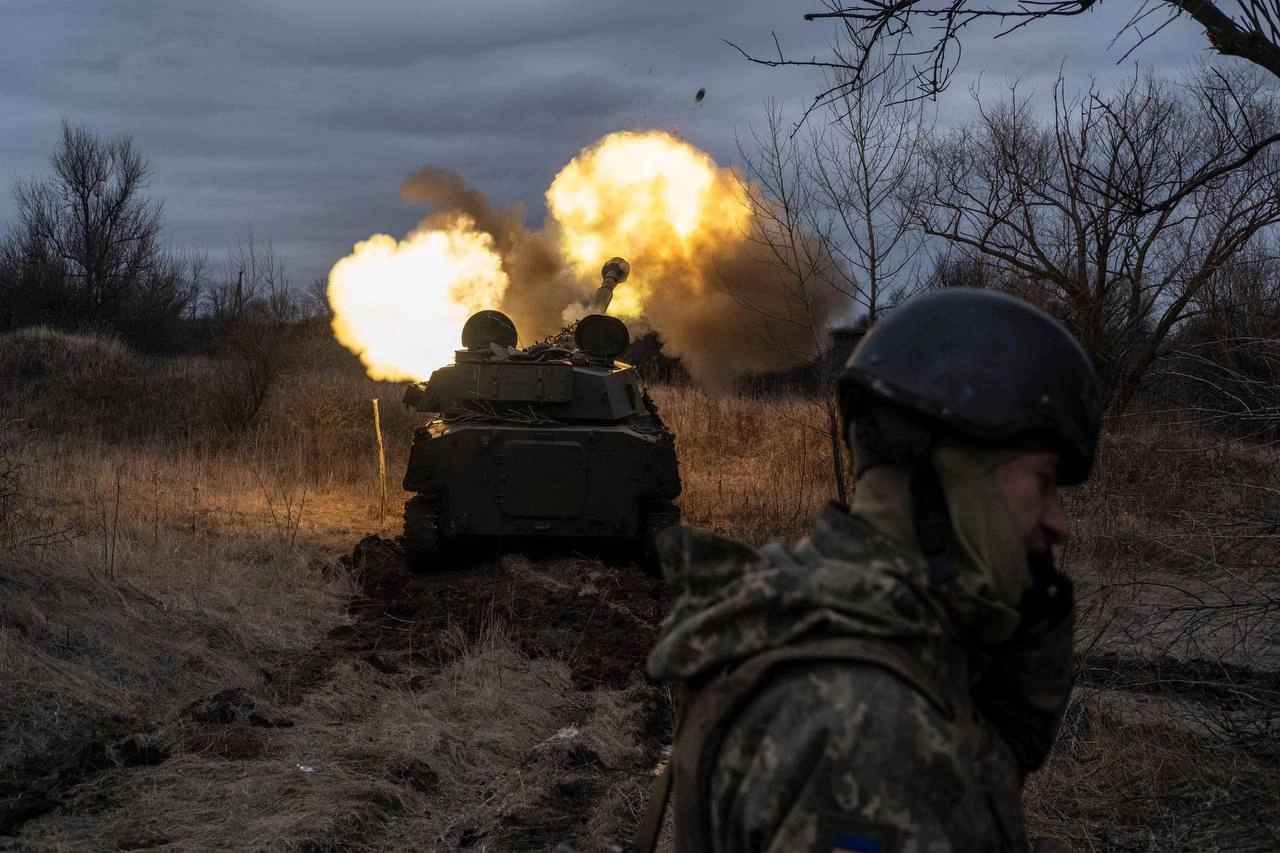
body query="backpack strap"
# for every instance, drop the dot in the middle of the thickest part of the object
(708, 712)
(650, 828)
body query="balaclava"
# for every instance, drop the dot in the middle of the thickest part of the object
(991, 560)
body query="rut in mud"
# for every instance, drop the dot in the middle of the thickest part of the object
(601, 619)
(501, 705)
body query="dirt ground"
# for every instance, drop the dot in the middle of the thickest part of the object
(358, 742)
(501, 705)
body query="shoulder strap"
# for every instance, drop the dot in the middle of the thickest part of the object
(708, 712)
(646, 837)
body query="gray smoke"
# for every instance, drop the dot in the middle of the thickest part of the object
(739, 311)
(541, 285)
(734, 311)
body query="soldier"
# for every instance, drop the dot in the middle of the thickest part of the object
(887, 683)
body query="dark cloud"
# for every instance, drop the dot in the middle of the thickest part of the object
(300, 120)
(536, 104)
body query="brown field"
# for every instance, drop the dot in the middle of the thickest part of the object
(208, 641)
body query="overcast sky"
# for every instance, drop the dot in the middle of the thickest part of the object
(299, 119)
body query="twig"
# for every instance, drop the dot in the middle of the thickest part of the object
(382, 465)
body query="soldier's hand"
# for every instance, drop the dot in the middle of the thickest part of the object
(1051, 596)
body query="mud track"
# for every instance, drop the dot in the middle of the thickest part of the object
(600, 620)
(402, 629)
(1211, 682)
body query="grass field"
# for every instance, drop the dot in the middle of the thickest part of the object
(197, 650)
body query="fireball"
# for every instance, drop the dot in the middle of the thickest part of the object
(659, 202)
(400, 304)
(653, 199)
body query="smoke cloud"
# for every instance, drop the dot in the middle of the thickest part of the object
(739, 311)
(705, 273)
(541, 284)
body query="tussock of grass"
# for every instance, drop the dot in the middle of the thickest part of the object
(472, 757)
(1120, 779)
(77, 359)
(92, 667)
(758, 468)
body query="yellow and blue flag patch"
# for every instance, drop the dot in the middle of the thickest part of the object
(847, 834)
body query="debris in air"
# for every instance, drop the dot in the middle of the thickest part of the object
(702, 93)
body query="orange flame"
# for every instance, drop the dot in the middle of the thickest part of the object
(400, 305)
(655, 200)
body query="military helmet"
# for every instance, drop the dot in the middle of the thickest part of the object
(984, 366)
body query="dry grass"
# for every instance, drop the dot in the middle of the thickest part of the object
(187, 562)
(1177, 540)
(472, 755)
(754, 467)
(1170, 742)
(1122, 778)
(148, 560)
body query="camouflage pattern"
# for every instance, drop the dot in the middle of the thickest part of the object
(1023, 688)
(836, 754)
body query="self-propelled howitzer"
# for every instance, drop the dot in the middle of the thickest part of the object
(556, 441)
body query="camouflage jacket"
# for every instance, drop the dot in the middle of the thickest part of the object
(924, 748)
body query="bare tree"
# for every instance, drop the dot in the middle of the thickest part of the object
(1041, 201)
(1251, 32)
(831, 216)
(86, 249)
(926, 35)
(316, 302)
(960, 266)
(251, 308)
(1224, 366)
(864, 156)
(91, 215)
(254, 281)
(785, 236)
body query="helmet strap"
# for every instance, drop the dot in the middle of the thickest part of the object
(932, 520)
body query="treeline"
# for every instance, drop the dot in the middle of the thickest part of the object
(86, 252)
(1144, 217)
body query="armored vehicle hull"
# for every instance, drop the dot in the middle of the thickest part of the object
(557, 441)
(604, 481)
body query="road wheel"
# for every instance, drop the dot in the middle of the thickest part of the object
(655, 518)
(421, 534)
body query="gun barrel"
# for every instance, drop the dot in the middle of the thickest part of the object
(615, 272)
(601, 299)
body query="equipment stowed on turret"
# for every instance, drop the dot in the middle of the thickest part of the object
(555, 441)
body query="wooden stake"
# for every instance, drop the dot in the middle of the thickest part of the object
(382, 464)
